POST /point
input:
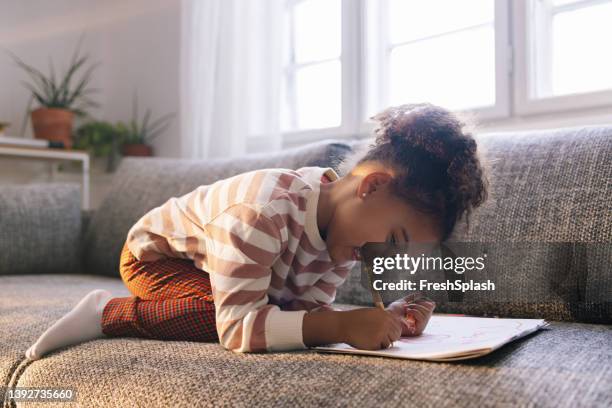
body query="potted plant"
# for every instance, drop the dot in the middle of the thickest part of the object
(59, 98)
(136, 135)
(101, 139)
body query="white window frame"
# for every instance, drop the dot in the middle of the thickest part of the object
(357, 53)
(503, 62)
(524, 101)
(350, 73)
(361, 52)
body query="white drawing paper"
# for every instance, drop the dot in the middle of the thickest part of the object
(448, 338)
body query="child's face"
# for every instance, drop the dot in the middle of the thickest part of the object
(377, 217)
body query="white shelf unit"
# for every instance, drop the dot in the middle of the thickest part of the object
(55, 155)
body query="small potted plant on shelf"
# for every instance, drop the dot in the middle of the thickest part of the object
(136, 135)
(101, 139)
(59, 98)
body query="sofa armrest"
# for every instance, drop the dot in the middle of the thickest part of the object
(40, 228)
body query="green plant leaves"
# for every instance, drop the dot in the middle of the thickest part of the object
(143, 132)
(63, 93)
(97, 137)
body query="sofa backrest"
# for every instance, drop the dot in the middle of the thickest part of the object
(551, 203)
(141, 184)
(40, 228)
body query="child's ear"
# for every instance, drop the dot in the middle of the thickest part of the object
(373, 182)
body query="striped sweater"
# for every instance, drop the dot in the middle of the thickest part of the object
(256, 234)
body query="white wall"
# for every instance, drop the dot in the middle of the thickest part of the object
(137, 44)
(143, 53)
(136, 41)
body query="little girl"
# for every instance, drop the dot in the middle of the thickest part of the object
(253, 261)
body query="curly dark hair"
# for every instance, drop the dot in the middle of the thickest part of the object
(440, 173)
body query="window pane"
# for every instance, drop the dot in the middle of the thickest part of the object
(456, 71)
(318, 89)
(317, 30)
(411, 20)
(581, 53)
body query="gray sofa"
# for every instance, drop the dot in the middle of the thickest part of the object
(550, 186)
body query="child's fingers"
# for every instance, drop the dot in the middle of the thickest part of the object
(421, 320)
(423, 298)
(412, 297)
(428, 304)
(410, 321)
(424, 301)
(416, 314)
(410, 324)
(420, 308)
(406, 325)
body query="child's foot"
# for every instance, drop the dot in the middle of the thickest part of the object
(82, 323)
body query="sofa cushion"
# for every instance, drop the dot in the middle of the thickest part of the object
(547, 224)
(31, 303)
(565, 365)
(141, 184)
(40, 228)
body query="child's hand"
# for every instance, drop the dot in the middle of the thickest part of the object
(415, 311)
(420, 312)
(370, 328)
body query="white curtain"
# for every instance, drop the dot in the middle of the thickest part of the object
(231, 73)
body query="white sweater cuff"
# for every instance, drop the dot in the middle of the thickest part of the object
(284, 330)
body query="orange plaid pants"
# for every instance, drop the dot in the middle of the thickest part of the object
(172, 301)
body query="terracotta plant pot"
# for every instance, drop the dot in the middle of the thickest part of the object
(137, 149)
(53, 124)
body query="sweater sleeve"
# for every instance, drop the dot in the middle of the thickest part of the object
(243, 245)
(322, 294)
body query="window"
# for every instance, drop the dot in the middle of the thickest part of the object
(571, 47)
(500, 59)
(312, 86)
(561, 59)
(447, 52)
(446, 58)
